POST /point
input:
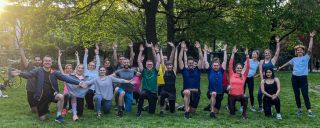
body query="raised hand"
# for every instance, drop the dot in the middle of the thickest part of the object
(97, 46)
(96, 51)
(234, 50)
(183, 45)
(86, 50)
(76, 53)
(277, 39)
(149, 45)
(312, 34)
(210, 49)
(197, 45)
(130, 44)
(205, 48)
(224, 47)
(114, 46)
(59, 53)
(141, 48)
(246, 51)
(171, 44)
(157, 47)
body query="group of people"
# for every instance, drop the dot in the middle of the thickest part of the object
(98, 84)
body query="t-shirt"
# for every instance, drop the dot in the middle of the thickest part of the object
(47, 87)
(170, 81)
(149, 80)
(160, 78)
(300, 65)
(253, 67)
(191, 78)
(215, 80)
(126, 74)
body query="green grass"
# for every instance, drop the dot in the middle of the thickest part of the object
(14, 112)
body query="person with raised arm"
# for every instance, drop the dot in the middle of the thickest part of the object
(91, 70)
(191, 79)
(31, 83)
(47, 87)
(237, 80)
(149, 80)
(299, 77)
(215, 76)
(169, 88)
(270, 87)
(267, 62)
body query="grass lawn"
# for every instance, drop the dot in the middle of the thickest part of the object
(14, 111)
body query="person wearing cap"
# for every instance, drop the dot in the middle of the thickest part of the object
(299, 75)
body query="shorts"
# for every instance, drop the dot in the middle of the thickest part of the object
(194, 98)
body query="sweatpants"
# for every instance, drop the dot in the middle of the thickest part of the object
(32, 102)
(300, 83)
(152, 100)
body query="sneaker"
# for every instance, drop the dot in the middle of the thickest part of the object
(43, 118)
(261, 109)
(253, 109)
(5, 96)
(64, 112)
(240, 109)
(311, 114)
(181, 108)
(116, 109)
(98, 115)
(212, 115)
(187, 115)
(120, 113)
(59, 119)
(138, 114)
(245, 117)
(299, 113)
(278, 116)
(161, 114)
(227, 107)
(75, 118)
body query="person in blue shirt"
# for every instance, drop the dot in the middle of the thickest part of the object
(191, 79)
(215, 75)
(299, 75)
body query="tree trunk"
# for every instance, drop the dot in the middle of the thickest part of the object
(170, 21)
(151, 8)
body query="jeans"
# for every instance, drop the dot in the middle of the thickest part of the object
(128, 99)
(103, 104)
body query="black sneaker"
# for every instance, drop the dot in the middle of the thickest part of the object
(212, 115)
(138, 114)
(120, 113)
(187, 115)
(161, 113)
(207, 108)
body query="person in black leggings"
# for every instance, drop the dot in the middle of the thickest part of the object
(270, 87)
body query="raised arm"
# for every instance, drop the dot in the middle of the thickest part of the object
(24, 59)
(276, 55)
(312, 34)
(59, 61)
(115, 55)
(175, 64)
(85, 59)
(139, 60)
(131, 53)
(198, 46)
(230, 69)
(181, 64)
(162, 62)
(185, 57)
(225, 57)
(172, 51)
(156, 60)
(205, 58)
(98, 63)
(260, 69)
(77, 57)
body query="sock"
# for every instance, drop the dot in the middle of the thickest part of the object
(58, 114)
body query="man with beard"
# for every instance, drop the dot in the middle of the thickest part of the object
(125, 90)
(30, 87)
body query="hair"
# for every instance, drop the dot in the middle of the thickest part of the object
(102, 67)
(149, 61)
(265, 73)
(35, 56)
(216, 60)
(190, 58)
(268, 50)
(47, 56)
(106, 59)
(256, 51)
(168, 63)
(65, 66)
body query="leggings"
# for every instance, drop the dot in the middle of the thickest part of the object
(89, 99)
(268, 102)
(232, 103)
(171, 97)
(250, 82)
(152, 99)
(300, 83)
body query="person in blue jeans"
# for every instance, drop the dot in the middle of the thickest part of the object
(267, 63)
(104, 90)
(125, 91)
(299, 75)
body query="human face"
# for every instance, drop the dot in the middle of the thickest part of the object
(254, 55)
(102, 71)
(267, 54)
(239, 69)
(126, 63)
(37, 61)
(68, 69)
(169, 67)
(299, 51)
(107, 63)
(215, 66)
(47, 62)
(121, 60)
(191, 64)
(91, 66)
(268, 74)
(149, 65)
(165, 59)
(80, 69)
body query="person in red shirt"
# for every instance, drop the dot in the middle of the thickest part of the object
(237, 80)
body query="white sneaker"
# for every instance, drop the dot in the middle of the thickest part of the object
(253, 109)
(278, 116)
(240, 109)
